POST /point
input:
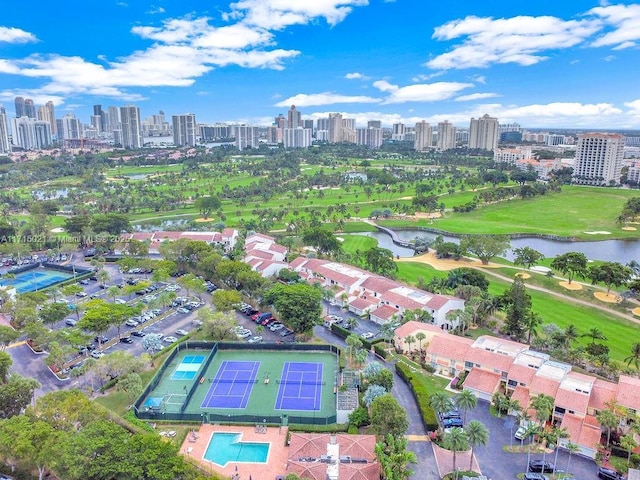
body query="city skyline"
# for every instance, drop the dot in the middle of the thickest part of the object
(541, 65)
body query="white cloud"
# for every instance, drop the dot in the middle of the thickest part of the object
(634, 107)
(624, 19)
(355, 76)
(156, 10)
(480, 79)
(608, 58)
(326, 98)
(476, 96)
(424, 77)
(421, 92)
(519, 40)
(16, 35)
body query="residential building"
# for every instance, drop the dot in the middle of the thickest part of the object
(227, 238)
(323, 124)
(294, 118)
(113, 118)
(184, 130)
(20, 110)
(511, 155)
(5, 137)
(598, 159)
(511, 137)
(156, 125)
(100, 115)
(335, 128)
(542, 167)
(424, 136)
(446, 136)
(69, 128)
(296, 137)
(308, 124)
(131, 127)
(397, 131)
(29, 108)
(371, 137)
(374, 124)
(483, 133)
(246, 137)
(47, 113)
(31, 134)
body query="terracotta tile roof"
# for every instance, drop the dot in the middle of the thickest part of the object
(309, 471)
(167, 235)
(411, 327)
(437, 302)
(229, 232)
(355, 471)
(449, 346)
(198, 236)
(259, 254)
(541, 384)
(489, 360)
(401, 301)
(379, 284)
(357, 446)
(260, 237)
(385, 312)
(363, 303)
(602, 393)
(573, 424)
(521, 394)
(572, 400)
(628, 395)
(308, 445)
(590, 436)
(521, 373)
(298, 262)
(482, 381)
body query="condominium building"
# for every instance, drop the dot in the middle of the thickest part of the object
(598, 159)
(47, 113)
(294, 117)
(371, 137)
(246, 137)
(69, 128)
(397, 131)
(446, 136)
(113, 119)
(374, 124)
(297, 137)
(31, 134)
(511, 155)
(483, 133)
(335, 128)
(184, 130)
(131, 127)
(5, 142)
(424, 136)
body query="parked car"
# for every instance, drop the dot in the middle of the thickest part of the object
(256, 339)
(182, 310)
(251, 311)
(126, 340)
(521, 433)
(182, 332)
(608, 474)
(131, 323)
(286, 332)
(244, 334)
(170, 339)
(534, 476)
(540, 466)
(97, 354)
(367, 335)
(452, 422)
(71, 322)
(197, 323)
(139, 333)
(276, 326)
(453, 413)
(101, 339)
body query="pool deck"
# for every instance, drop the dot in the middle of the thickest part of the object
(195, 448)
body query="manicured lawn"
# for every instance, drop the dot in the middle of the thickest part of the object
(411, 272)
(353, 243)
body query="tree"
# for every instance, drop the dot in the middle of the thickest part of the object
(131, 384)
(467, 276)
(455, 440)
(465, 401)
(354, 344)
(531, 323)
(500, 402)
(571, 448)
(52, 313)
(373, 392)
(152, 342)
(612, 274)
(300, 304)
(517, 303)
(477, 435)
(543, 405)
(571, 264)
(609, 420)
(7, 336)
(594, 334)
(380, 260)
(635, 355)
(420, 336)
(5, 364)
(485, 247)
(388, 416)
(16, 394)
(440, 402)
(394, 458)
(628, 443)
(322, 240)
(217, 325)
(206, 205)
(225, 300)
(526, 256)
(409, 339)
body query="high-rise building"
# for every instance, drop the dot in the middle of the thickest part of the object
(246, 137)
(446, 136)
(184, 130)
(294, 118)
(397, 132)
(308, 124)
(47, 113)
(156, 125)
(371, 137)
(113, 119)
(424, 136)
(131, 127)
(31, 134)
(598, 159)
(335, 128)
(100, 122)
(29, 108)
(483, 133)
(374, 124)
(280, 121)
(20, 111)
(322, 124)
(296, 137)
(5, 142)
(69, 128)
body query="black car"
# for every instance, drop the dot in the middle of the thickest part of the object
(609, 474)
(138, 333)
(126, 340)
(93, 278)
(102, 339)
(251, 311)
(452, 422)
(286, 332)
(540, 466)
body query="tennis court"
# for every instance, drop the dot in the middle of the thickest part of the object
(188, 367)
(36, 279)
(232, 385)
(300, 386)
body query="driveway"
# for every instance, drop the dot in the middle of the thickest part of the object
(497, 464)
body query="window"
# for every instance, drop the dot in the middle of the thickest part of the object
(468, 365)
(512, 383)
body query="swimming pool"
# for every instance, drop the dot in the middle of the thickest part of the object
(227, 447)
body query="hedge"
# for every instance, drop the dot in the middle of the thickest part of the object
(381, 351)
(420, 394)
(332, 428)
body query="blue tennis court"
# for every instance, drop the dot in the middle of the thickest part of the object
(188, 367)
(232, 385)
(300, 386)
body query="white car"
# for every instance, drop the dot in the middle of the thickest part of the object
(367, 335)
(96, 354)
(520, 433)
(182, 310)
(244, 334)
(120, 301)
(131, 323)
(256, 339)
(182, 332)
(170, 339)
(275, 327)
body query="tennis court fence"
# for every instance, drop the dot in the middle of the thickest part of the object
(304, 382)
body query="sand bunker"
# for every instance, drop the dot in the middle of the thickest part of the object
(444, 263)
(606, 297)
(57, 230)
(426, 215)
(570, 286)
(629, 229)
(598, 232)
(636, 311)
(406, 198)
(523, 275)
(203, 220)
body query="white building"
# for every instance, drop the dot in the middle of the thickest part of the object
(598, 159)
(511, 155)
(483, 133)
(296, 137)
(31, 134)
(184, 130)
(5, 141)
(131, 127)
(424, 136)
(246, 137)
(371, 137)
(446, 136)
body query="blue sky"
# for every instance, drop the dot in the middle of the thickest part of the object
(540, 63)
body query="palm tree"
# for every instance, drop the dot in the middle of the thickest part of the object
(609, 420)
(466, 401)
(571, 448)
(456, 441)
(532, 431)
(409, 339)
(594, 334)
(420, 337)
(555, 436)
(531, 322)
(569, 335)
(440, 402)
(477, 435)
(635, 355)
(543, 405)
(628, 442)
(499, 400)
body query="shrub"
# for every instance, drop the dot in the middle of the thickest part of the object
(380, 351)
(420, 394)
(359, 417)
(332, 428)
(353, 430)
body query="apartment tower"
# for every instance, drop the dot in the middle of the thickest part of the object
(484, 133)
(598, 159)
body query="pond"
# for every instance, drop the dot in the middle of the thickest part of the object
(622, 251)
